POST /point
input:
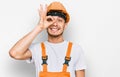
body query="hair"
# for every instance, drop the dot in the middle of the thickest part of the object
(57, 13)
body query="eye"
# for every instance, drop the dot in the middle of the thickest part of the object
(49, 19)
(60, 20)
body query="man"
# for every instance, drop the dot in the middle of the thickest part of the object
(54, 57)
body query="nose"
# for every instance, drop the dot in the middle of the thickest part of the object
(55, 23)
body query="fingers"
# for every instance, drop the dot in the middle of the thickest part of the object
(45, 8)
(45, 20)
(49, 19)
(42, 11)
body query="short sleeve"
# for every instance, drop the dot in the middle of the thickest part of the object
(80, 62)
(32, 50)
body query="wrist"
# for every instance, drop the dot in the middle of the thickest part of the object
(37, 29)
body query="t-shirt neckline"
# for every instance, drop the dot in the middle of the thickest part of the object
(61, 43)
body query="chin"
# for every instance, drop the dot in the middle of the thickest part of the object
(55, 35)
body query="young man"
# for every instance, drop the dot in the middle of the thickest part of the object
(54, 57)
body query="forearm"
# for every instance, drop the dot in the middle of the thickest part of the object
(20, 49)
(22, 45)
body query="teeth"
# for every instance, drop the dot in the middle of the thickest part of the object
(54, 29)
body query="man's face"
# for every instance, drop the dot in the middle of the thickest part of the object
(57, 28)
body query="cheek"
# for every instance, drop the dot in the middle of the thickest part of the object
(63, 27)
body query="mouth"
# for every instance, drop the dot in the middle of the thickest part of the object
(54, 29)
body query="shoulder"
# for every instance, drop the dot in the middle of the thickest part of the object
(76, 48)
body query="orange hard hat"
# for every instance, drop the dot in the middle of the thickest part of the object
(58, 6)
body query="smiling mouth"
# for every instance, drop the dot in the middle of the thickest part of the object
(54, 29)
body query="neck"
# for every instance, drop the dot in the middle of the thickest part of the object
(55, 39)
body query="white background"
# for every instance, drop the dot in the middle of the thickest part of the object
(95, 25)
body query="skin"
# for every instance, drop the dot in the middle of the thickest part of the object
(55, 27)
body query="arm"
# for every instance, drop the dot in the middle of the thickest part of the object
(80, 63)
(20, 50)
(80, 73)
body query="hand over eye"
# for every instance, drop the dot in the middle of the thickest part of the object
(49, 19)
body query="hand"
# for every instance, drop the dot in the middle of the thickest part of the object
(45, 21)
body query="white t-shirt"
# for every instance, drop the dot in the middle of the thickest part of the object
(56, 55)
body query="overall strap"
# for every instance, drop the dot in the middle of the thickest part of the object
(67, 57)
(44, 57)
